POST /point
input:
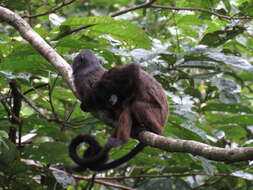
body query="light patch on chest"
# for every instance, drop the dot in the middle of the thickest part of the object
(113, 99)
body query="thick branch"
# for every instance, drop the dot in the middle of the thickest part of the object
(39, 44)
(197, 148)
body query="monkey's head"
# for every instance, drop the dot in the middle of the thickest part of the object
(86, 59)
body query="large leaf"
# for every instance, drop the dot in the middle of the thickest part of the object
(126, 32)
(219, 37)
(232, 108)
(47, 151)
(15, 4)
(25, 59)
(240, 119)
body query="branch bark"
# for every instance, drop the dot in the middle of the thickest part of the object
(196, 148)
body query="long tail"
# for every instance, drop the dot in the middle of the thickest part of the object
(119, 161)
(96, 156)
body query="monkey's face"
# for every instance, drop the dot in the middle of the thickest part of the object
(85, 59)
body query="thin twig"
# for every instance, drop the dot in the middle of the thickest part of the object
(71, 111)
(32, 105)
(113, 15)
(41, 114)
(167, 176)
(62, 35)
(199, 9)
(38, 165)
(144, 5)
(50, 91)
(50, 11)
(35, 87)
(26, 92)
(8, 110)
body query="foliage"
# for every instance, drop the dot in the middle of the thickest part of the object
(202, 61)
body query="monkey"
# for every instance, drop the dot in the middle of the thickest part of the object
(86, 71)
(131, 99)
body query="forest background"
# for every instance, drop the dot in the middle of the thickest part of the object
(199, 50)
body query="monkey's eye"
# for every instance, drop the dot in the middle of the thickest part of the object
(113, 99)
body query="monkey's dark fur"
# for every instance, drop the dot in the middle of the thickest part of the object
(129, 97)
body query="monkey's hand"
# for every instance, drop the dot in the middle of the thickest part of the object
(114, 142)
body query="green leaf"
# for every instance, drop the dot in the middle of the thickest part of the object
(158, 184)
(187, 131)
(207, 165)
(8, 154)
(246, 8)
(232, 108)
(235, 62)
(122, 30)
(3, 134)
(234, 132)
(85, 43)
(47, 151)
(25, 59)
(15, 4)
(240, 119)
(227, 4)
(219, 37)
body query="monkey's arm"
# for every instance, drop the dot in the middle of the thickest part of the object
(122, 80)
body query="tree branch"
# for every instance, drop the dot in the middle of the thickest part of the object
(176, 175)
(200, 10)
(196, 148)
(144, 5)
(150, 4)
(78, 177)
(39, 44)
(50, 11)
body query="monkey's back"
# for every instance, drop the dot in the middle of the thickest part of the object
(154, 98)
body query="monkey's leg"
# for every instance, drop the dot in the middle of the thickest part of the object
(123, 125)
(147, 116)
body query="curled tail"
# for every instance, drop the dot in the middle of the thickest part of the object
(95, 157)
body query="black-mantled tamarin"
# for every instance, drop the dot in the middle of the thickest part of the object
(127, 96)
